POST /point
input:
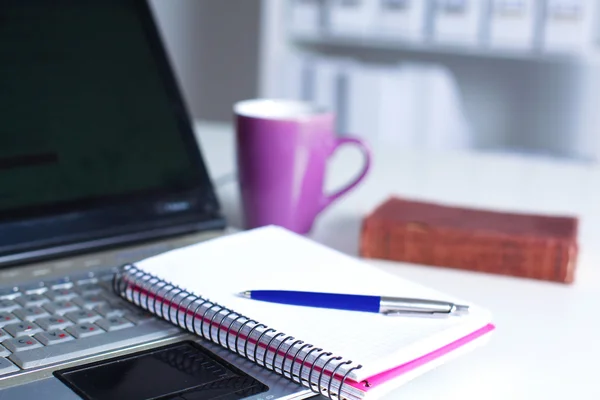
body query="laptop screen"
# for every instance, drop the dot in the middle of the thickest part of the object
(94, 136)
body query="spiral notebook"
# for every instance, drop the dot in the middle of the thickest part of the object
(341, 354)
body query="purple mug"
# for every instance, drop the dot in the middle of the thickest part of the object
(282, 151)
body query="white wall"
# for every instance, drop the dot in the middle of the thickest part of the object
(214, 45)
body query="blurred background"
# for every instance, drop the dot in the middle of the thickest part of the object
(516, 76)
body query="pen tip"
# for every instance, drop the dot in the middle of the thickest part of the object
(247, 294)
(460, 309)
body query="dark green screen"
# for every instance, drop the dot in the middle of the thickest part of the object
(84, 112)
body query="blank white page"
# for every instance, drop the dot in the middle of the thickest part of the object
(274, 258)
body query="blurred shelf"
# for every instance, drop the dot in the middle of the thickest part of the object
(388, 43)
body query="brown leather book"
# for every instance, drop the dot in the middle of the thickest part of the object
(525, 245)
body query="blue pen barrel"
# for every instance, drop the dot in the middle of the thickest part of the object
(323, 300)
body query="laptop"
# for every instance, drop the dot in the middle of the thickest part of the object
(99, 167)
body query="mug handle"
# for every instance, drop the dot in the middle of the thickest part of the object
(340, 141)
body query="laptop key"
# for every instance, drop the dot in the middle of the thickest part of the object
(82, 316)
(84, 278)
(30, 313)
(8, 305)
(61, 294)
(53, 322)
(4, 351)
(4, 335)
(89, 290)
(96, 344)
(54, 336)
(35, 287)
(61, 307)
(90, 301)
(114, 323)
(60, 283)
(30, 300)
(6, 367)
(108, 311)
(84, 330)
(7, 318)
(85, 281)
(21, 343)
(22, 329)
(139, 317)
(9, 293)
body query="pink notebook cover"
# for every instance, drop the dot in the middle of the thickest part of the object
(386, 376)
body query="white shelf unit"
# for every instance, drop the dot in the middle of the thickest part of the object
(535, 98)
(400, 45)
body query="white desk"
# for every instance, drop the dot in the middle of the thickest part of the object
(547, 340)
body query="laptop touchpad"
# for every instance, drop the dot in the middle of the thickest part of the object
(181, 371)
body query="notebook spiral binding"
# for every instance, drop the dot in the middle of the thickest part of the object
(315, 366)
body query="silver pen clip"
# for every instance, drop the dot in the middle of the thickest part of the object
(406, 306)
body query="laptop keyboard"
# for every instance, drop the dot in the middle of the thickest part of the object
(56, 321)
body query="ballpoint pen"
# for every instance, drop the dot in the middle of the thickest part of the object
(354, 302)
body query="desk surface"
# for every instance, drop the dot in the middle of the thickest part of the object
(546, 342)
